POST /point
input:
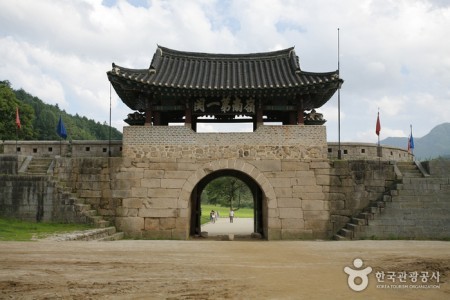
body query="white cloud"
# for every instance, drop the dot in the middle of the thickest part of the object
(394, 54)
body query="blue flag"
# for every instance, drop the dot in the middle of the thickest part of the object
(411, 142)
(61, 130)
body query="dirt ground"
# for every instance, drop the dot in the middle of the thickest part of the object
(218, 269)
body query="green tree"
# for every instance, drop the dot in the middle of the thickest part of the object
(8, 105)
(229, 192)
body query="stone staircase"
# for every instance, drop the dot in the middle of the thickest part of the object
(79, 210)
(358, 225)
(86, 214)
(39, 166)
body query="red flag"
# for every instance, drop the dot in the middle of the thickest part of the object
(378, 128)
(17, 118)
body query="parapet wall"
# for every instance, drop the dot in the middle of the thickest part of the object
(63, 148)
(366, 151)
(267, 142)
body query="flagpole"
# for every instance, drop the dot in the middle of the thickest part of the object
(109, 144)
(339, 102)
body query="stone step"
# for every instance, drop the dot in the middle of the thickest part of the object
(86, 235)
(98, 221)
(352, 227)
(346, 233)
(417, 174)
(366, 216)
(338, 237)
(90, 213)
(80, 207)
(359, 221)
(113, 237)
(39, 166)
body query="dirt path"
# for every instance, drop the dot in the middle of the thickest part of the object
(215, 269)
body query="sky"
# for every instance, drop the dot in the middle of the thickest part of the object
(394, 55)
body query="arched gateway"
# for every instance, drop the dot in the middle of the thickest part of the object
(285, 165)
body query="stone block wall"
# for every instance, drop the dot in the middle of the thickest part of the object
(162, 165)
(366, 151)
(353, 185)
(93, 180)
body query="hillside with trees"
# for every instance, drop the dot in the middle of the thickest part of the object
(39, 120)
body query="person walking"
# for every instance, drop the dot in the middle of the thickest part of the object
(231, 215)
(212, 216)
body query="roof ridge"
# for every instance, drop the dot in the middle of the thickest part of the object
(212, 56)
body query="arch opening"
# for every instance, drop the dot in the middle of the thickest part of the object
(256, 194)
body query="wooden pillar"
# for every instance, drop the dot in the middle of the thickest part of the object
(148, 116)
(292, 118)
(300, 111)
(148, 110)
(259, 116)
(188, 115)
(156, 118)
(194, 123)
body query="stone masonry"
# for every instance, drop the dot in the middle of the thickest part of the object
(162, 165)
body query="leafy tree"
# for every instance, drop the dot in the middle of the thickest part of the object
(44, 127)
(8, 105)
(229, 192)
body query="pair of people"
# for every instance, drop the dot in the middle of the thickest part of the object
(214, 215)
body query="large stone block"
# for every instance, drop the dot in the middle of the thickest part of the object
(294, 165)
(316, 215)
(130, 225)
(317, 225)
(296, 234)
(267, 165)
(157, 234)
(273, 234)
(182, 224)
(313, 196)
(280, 182)
(157, 212)
(180, 234)
(139, 192)
(132, 202)
(151, 224)
(319, 165)
(289, 202)
(167, 223)
(163, 193)
(130, 173)
(121, 193)
(292, 223)
(314, 205)
(160, 203)
(274, 223)
(283, 192)
(177, 174)
(153, 173)
(126, 212)
(172, 183)
(323, 179)
(299, 190)
(290, 213)
(150, 183)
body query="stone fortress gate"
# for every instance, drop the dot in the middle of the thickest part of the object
(167, 167)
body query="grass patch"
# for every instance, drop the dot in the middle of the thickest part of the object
(17, 230)
(224, 212)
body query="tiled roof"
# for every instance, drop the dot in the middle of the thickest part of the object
(193, 74)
